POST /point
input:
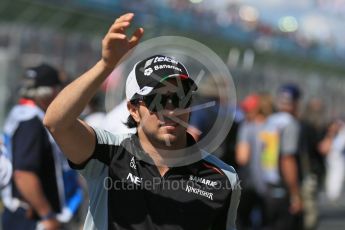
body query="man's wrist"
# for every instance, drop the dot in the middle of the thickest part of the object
(295, 197)
(48, 216)
(105, 66)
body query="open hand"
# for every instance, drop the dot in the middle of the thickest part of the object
(115, 44)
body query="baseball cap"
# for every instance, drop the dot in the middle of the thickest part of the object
(151, 72)
(289, 92)
(43, 75)
(250, 103)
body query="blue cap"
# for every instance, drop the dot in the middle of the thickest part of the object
(290, 92)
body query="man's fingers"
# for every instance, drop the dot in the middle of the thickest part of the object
(121, 23)
(119, 27)
(113, 36)
(136, 37)
(125, 17)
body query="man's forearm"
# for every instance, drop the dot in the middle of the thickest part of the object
(290, 174)
(76, 138)
(325, 145)
(30, 188)
(68, 105)
(71, 101)
(242, 153)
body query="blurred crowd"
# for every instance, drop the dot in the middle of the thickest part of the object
(286, 153)
(75, 52)
(237, 21)
(70, 50)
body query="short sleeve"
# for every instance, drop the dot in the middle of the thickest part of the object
(243, 133)
(107, 146)
(29, 142)
(289, 139)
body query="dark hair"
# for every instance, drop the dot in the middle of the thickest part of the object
(131, 123)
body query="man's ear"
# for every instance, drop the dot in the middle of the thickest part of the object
(133, 111)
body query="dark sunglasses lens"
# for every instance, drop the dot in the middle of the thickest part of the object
(176, 100)
(157, 102)
(150, 102)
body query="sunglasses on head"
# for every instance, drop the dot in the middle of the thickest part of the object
(157, 102)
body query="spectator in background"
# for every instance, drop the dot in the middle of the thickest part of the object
(5, 167)
(311, 159)
(283, 199)
(202, 121)
(115, 121)
(249, 148)
(94, 114)
(333, 147)
(38, 195)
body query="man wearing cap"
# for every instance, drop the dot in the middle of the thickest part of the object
(33, 196)
(253, 140)
(283, 199)
(156, 178)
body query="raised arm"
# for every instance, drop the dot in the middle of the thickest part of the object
(75, 137)
(243, 145)
(289, 169)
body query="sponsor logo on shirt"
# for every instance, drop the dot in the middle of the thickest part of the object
(200, 192)
(134, 179)
(132, 164)
(203, 181)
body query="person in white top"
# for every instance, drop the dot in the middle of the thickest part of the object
(333, 146)
(5, 168)
(115, 120)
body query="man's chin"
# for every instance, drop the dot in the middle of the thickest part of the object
(169, 137)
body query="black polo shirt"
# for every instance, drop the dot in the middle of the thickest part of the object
(129, 193)
(32, 152)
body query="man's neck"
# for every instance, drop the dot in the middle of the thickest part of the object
(259, 119)
(160, 152)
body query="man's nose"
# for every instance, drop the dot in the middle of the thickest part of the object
(169, 108)
(169, 105)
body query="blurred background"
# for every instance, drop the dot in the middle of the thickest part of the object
(264, 43)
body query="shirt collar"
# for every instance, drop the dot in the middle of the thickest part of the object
(142, 156)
